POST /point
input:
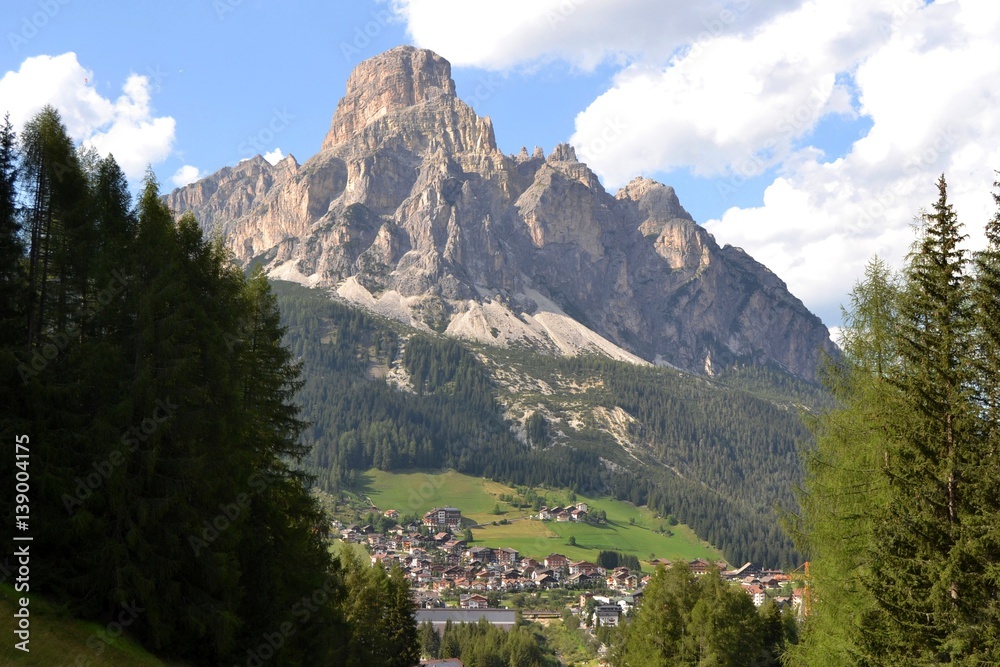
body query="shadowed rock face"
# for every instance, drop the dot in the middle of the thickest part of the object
(409, 209)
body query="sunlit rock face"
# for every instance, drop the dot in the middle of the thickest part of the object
(410, 210)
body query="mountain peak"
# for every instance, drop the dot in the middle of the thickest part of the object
(411, 211)
(400, 78)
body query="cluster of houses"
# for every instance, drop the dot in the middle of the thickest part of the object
(577, 512)
(764, 585)
(439, 562)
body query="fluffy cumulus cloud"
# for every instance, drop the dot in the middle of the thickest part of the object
(125, 127)
(275, 156)
(185, 175)
(498, 34)
(731, 90)
(928, 90)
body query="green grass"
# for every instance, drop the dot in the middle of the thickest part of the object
(571, 645)
(339, 547)
(420, 491)
(59, 639)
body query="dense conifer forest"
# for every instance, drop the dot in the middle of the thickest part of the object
(143, 374)
(902, 494)
(719, 455)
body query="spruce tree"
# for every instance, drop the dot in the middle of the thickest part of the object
(900, 509)
(917, 578)
(844, 485)
(12, 277)
(57, 226)
(982, 541)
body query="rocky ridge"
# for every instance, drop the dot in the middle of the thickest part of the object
(410, 210)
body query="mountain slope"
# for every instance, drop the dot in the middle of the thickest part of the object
(410, 210)
(717, 456)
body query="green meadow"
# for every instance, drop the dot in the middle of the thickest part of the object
(59, 639)
(629, 529)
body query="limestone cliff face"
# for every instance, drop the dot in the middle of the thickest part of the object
(409, 209)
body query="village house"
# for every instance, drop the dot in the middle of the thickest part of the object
(585, 567)
(582, 578)
(481, 554)
(699, 566)
(450, 517)
(506, 556)
(756, 593)
(556, 561)
(545, 580)
(474, 601)
(607, 615)
(621, 579)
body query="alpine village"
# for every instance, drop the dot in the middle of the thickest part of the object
(415, 401)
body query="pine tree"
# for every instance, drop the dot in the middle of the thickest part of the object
(845, 485)
(12, 278)
(57, 225)
(901, 493)
(982, 541)
(916, 579)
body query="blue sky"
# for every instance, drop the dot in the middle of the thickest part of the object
(808, 132)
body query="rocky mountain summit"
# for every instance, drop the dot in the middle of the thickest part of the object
(411, 210)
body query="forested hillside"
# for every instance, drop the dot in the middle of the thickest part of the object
(902, 496)
(716, 454)
(147, 418)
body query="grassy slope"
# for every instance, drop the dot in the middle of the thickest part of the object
(420, 491)
(59, 639)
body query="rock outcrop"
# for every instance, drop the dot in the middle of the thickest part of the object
(410, 210)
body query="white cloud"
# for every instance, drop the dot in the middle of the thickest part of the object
(275, 156)
(821, 222)
(501, 34)
(125, 127)
(185, 175)
(736, 94)
(734, 103)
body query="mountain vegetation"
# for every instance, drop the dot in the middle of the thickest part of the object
(902, 496)
(718, 455)
(485, 645)
(689, 620)
(145, 381)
